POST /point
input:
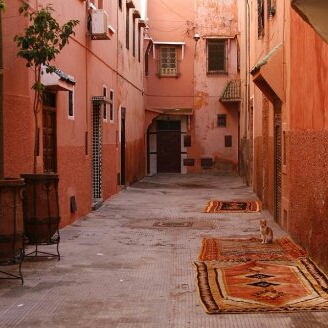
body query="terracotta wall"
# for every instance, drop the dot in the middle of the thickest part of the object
(17, 115)
(308, 139)
(93, 64)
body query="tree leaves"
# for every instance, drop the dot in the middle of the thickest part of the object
(42, 41)
(2, 5)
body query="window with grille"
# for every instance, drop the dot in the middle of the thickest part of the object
(168, 62)
(216, 56)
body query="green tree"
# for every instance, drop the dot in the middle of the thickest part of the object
(39, 45)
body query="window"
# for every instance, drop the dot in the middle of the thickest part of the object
(228, 141)
(129, 5)
(139, 41)
(127, 28)
(216, 56)
(168, 62)
(187, 140)
(188, 162)
(222, 120)
(105, 104)
(142, 24)
(70, 104)
(111, 105)
(120, 4)
(260, 19)
(134, 38)
(271, 8)
(206, 163)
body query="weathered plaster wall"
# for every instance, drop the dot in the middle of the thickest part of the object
(215, 19)
(178, 21)
(308, 176)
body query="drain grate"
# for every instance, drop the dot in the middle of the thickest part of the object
(172, 224)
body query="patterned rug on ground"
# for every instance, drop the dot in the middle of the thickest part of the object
(218, 206)
(247, 249)
(261, 286)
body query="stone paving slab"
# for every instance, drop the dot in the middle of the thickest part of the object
(129, 264)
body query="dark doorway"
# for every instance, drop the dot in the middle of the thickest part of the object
(49, 132)
(123, 146)
(168, 146)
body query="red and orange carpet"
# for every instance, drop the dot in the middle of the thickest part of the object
(218, 206)
(244, 276)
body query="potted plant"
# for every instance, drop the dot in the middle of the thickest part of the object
(39, 45)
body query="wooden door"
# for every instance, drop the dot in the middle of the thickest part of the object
(49, 134)
(168, 146)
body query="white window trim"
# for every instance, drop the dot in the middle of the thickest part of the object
(157, 43)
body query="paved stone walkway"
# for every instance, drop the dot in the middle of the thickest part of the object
(129, 264)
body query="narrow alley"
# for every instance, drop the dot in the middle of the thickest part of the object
(130, 263)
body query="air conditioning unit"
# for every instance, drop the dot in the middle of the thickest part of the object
(99, 25)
